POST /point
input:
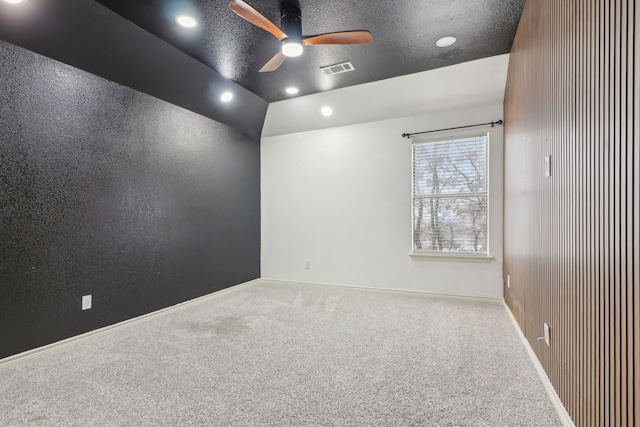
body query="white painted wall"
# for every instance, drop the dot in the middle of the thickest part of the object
(341, 198)
(337, 191)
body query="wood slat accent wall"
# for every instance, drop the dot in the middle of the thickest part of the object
(572, 240)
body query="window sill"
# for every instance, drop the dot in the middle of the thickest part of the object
(433, 256)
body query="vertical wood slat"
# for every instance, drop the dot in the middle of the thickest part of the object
(628, 212)
(635, 286)
(578, 252)
(592, 346)
(598, 168)
(590, 171)
(634, 215)
(633, 335)
(621, 231)
(572, 242)
(614, 209)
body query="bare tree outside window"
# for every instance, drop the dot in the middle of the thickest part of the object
(450, 195)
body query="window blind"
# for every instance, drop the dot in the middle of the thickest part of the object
(450, 195)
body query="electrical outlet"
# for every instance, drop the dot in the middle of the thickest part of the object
(508, 281)
(307, 265)
(547, 332)
(86, 302)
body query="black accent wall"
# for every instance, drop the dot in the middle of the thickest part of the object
(110, 192)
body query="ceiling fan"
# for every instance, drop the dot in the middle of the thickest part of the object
(291, 33)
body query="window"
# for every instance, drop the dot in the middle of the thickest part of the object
(450, 195)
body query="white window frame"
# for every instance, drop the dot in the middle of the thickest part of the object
(453, 256)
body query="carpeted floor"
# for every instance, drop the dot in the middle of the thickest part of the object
(274, 354)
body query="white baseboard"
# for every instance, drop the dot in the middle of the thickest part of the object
(564, 416)
(36, 352)
(391, 290)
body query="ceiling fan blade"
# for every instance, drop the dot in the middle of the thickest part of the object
(273, 63)
(256, 18)
(342, 37)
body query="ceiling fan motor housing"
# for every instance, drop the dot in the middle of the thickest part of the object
(291, 23)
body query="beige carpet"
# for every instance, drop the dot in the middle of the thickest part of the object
(274, 354)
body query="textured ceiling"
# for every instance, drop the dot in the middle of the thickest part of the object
(88, 36)
(137, 43)
(404, 35)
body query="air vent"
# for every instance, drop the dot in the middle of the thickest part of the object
(337, 68)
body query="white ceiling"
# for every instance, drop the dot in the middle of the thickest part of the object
(470, 83)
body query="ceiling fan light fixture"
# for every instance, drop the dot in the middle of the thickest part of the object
(291, 24)
(292, 48)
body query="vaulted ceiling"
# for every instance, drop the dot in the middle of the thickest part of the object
(138, 43)
(404, 35)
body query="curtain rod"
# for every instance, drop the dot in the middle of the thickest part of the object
(409, 135)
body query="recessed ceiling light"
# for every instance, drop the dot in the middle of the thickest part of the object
(326, 111)
(446, 41)
(13, 1)
(226, 97)
(292, 90)
(186, 21)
